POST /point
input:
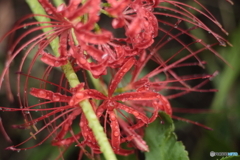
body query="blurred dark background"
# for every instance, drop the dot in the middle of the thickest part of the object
(224, 106)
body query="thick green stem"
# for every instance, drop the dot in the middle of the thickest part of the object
(72, 78)
(58, 2)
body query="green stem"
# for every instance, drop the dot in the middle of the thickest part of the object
(96, 82)
(72, 78)
(58, 2)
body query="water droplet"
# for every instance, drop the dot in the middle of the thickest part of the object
(112, 117)
(123, 100)
(116, 134)
(42, 94)
(111, 104)
(125, 70)
(79, 95)
(199, 40)
(135, 113)
(81, 124)
(25, 26)
(55, 98)
(27, 112)
(222, 43)
(104, 56)
(99, 114)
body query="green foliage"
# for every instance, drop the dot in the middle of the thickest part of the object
(225, 104)
(163, 142)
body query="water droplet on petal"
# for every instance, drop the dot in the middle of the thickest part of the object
(123, 100)
(135, 113)
(111, 104)
(127, 110)
(42, 94)
(25, 26)
(125, 70)
(79, 95)
(116, 134)
(112, 117)
(99, 114)
(222, 43)
(199, 40)
(81, 124)
(27, 112)
(104, 56)
(55, 98)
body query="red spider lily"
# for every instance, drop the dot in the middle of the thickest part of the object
(65, 19)
(144, 87)
(111, 104)
(131, 102)
(61, 112)
(100, 47)
(139, 22)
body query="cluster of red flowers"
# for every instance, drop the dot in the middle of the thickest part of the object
(124, 109)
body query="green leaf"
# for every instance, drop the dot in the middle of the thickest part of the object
(231, 158)
(163, 142)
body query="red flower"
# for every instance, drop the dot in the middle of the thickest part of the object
(111, 104)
